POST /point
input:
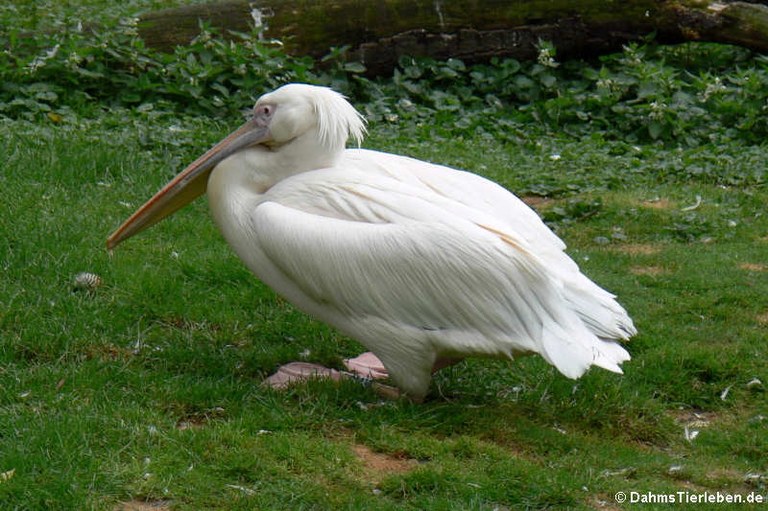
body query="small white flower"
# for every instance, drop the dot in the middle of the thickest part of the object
(605, 83)
(130, 26)
(545, 57)
(40, 61)
(657, 110)
(74, 59)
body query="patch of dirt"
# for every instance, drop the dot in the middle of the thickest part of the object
(756, 267)
(603, 502)
(638, 249)
(199, 419)
(693, 418)
(537, 202)
(107, 353)
(653, 271)
(762, 318)
(659, 203)
(688, 485)
(377, 465)
(191, 423)
(141, 505)
(728, 475)
(182, 323)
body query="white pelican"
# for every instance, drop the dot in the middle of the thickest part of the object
(423, 264)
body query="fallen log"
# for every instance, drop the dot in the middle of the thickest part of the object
(378, 32)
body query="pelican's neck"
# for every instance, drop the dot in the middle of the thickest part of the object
(301, 154)
(261, 167)
(239, 182)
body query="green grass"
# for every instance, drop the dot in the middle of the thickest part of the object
(649, 163)
(148, 388)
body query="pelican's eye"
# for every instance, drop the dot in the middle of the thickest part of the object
(262, 114)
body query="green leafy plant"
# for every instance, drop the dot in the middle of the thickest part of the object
(144, 392)
(640, 95)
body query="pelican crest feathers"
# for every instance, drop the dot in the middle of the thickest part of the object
(337, 120)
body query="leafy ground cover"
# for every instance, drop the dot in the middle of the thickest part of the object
(144, 392)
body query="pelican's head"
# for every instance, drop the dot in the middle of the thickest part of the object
(295, 115)
(299, 110)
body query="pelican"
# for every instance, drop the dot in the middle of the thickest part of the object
(423, 264)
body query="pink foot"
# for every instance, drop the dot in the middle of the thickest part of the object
(295, 372)
(367, 365)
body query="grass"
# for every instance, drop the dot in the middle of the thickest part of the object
(145, 391)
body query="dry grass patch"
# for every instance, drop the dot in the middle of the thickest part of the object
(140, 505)
(199, 419)
(603, 502)
(652, 271)
(638, 249)
(538, 203)
(724, 475)
(693, 418)
(658, 203)
(754, 267)
(377, 465)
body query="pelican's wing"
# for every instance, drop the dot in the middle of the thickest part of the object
(466, 188)
(596, 306)
(377, 251)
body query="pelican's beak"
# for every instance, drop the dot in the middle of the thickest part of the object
(190, 183)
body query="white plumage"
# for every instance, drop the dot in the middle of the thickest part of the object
(418, 262)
